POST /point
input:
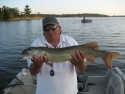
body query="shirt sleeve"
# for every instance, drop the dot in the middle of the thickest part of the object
(70, 41)
(34, 44)
(29, 62)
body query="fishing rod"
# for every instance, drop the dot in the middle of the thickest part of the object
(9, 80)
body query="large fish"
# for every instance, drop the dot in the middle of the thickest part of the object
(57, 55)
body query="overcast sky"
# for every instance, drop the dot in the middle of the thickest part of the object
(108, 7)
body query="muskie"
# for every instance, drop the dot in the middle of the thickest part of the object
(57, 55)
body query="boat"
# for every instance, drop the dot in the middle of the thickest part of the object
(86, 20)
(112, 82)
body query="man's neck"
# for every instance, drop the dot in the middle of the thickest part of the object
(54, 43)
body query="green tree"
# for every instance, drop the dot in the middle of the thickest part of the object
(1, 14)
(7, 13)
(21, 14)
(27, 11)
(38, 14)
(15, 12)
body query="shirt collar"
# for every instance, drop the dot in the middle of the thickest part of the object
(62, 40)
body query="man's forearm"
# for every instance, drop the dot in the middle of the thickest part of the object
(34, 69)
(81, 67)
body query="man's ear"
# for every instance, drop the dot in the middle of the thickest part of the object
(60, 29)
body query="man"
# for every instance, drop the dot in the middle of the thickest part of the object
(56, 78)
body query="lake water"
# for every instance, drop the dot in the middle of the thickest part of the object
(108, 32)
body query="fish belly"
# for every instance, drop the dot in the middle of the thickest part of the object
(58, 58)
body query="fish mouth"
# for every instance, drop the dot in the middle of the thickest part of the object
(25, 57)
(20, 58)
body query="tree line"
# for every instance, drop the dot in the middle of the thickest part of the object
(76, 15)
(7, 13)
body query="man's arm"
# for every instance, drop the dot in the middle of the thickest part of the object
(81, 67)
(34, 69)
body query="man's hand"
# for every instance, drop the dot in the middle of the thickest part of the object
(78, 61)
(78, 58)
(39, 60)
(35, 67)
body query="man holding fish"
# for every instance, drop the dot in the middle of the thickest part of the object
(55, 78)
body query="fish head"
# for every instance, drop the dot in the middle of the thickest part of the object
(37, 51)
(32, 51)
(29, 52)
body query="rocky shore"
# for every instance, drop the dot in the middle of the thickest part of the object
(27, 18)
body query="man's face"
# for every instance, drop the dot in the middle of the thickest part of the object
(51, 31)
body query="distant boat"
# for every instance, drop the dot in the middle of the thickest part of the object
(86, 20)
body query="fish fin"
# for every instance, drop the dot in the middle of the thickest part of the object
(109, 57)
(113, 55)
(108, 62)
(94, 45)
(91, 59)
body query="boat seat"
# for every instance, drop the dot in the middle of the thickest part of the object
(115, 85)
(95, 89)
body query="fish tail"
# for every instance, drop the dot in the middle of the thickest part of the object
(109, 57)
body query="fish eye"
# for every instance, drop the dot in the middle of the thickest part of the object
(29, 49)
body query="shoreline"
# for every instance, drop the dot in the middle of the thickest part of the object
(18, 19)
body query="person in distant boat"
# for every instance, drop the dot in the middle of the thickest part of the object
(56, 78)
(84, 18)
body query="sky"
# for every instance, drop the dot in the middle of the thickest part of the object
(107, 7)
